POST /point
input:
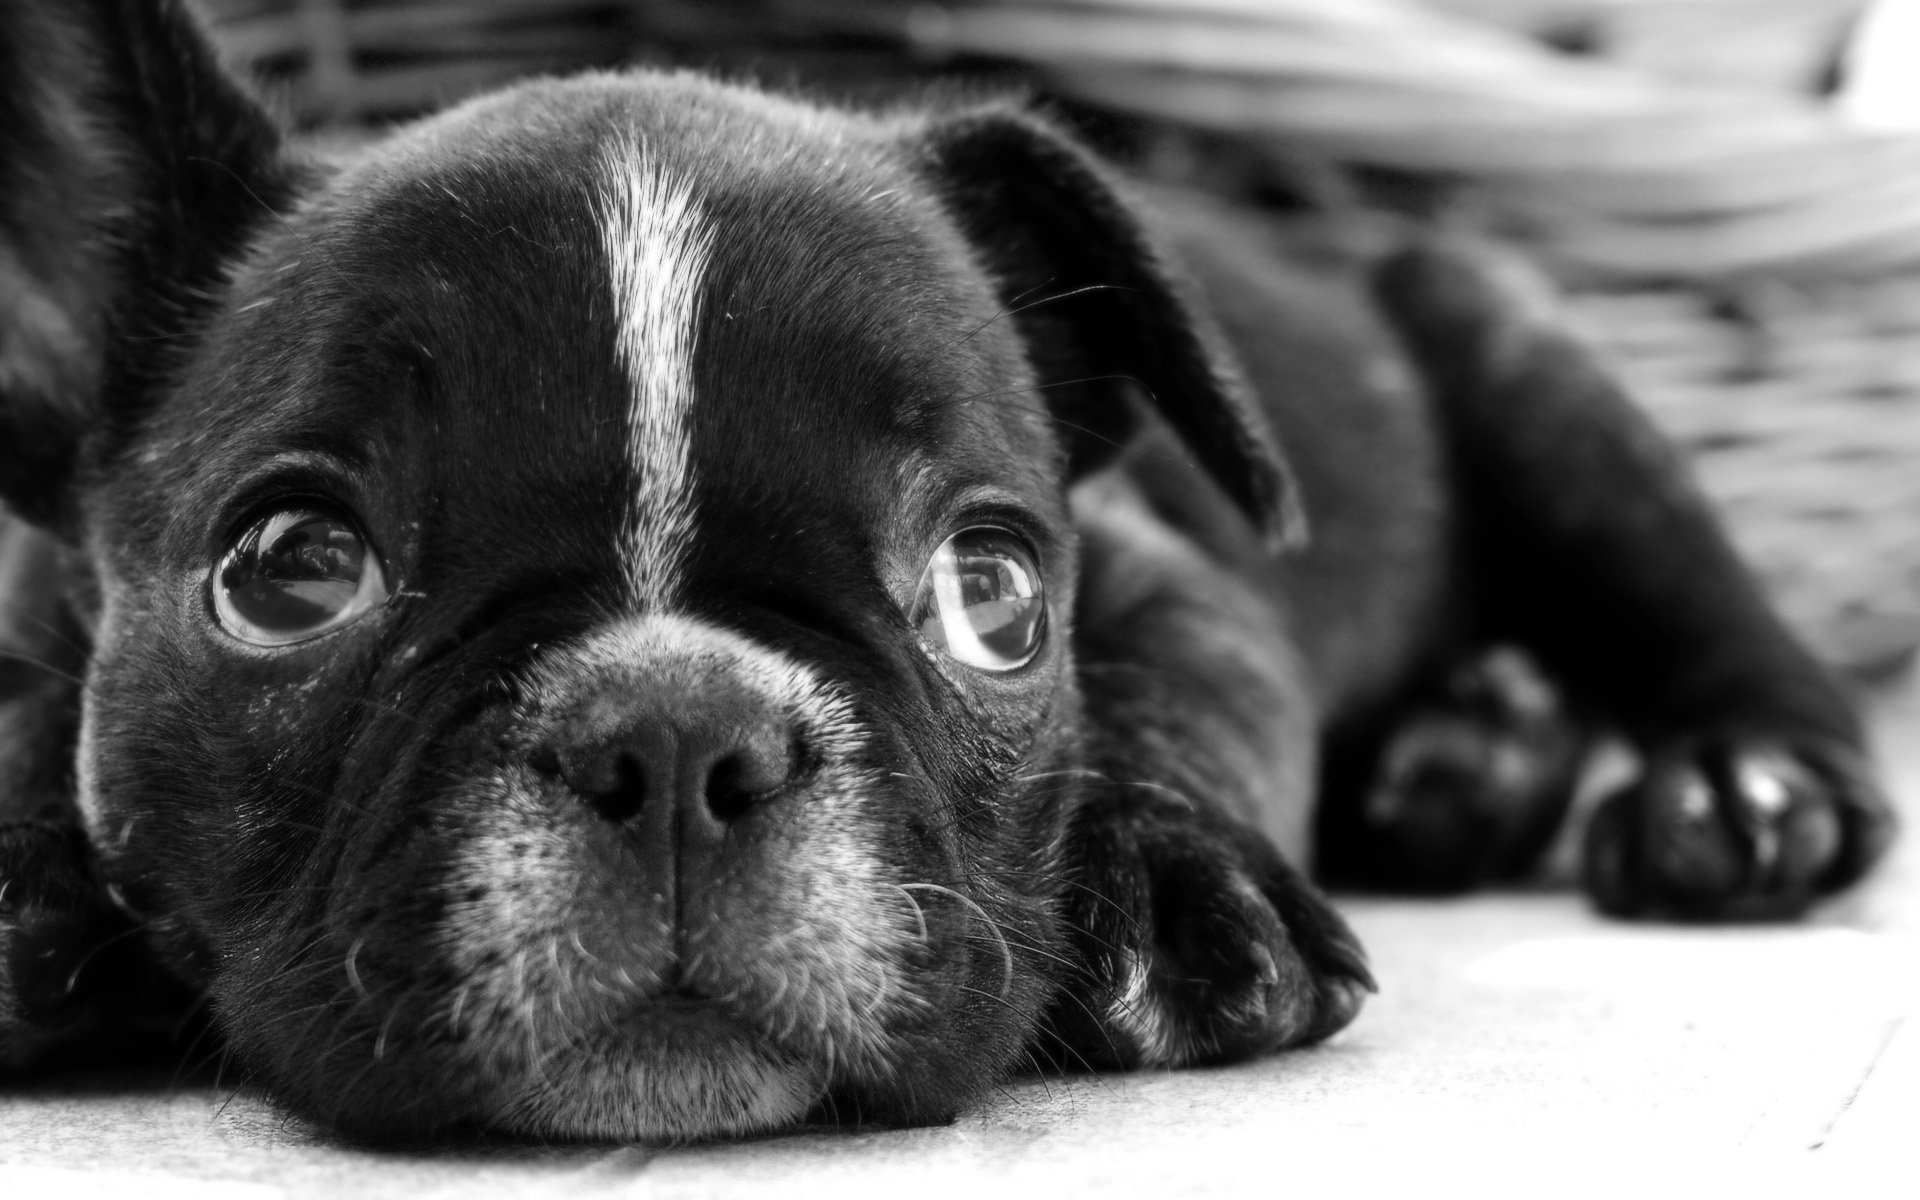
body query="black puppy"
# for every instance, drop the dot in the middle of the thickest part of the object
(637, 607)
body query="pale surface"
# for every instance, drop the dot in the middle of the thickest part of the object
(1516, 1038)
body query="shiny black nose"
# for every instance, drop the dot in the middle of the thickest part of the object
(710, 757)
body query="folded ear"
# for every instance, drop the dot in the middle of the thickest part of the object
(131, 166)
(1102, 308)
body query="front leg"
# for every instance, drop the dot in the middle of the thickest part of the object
(75, 976)
(76, 981)
(1199, 941)
(1595, 551)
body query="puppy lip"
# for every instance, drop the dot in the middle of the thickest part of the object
(681, 998)
(684, 1014)
(673, 1071)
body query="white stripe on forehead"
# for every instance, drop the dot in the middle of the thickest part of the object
(658, 244)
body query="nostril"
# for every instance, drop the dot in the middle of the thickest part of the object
(738, 780)
(728, 794)
(619, 794)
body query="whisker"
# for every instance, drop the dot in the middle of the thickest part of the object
(353, 971)
(1006, 953)
(46, 626)
(44, 665)
(1015, 307)
(918, 911)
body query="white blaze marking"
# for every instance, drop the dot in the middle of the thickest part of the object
(658, 244)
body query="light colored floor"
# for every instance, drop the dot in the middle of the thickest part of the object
(1514, 1035)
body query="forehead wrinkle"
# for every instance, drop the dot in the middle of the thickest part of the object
(658, 244)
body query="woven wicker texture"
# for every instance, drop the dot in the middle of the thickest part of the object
(1747, 257)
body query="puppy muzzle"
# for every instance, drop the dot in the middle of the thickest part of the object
(668, 897)
(676, 737)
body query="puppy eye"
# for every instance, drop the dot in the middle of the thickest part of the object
(981, 601)
(294, 574)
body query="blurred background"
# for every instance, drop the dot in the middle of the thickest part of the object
(1728, 190)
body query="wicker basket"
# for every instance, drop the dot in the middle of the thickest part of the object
(1748, 260)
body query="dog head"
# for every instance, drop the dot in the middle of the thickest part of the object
(581, 591)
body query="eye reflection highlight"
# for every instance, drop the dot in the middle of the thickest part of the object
(981, 600)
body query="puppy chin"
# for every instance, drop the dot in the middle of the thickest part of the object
(674, 1071)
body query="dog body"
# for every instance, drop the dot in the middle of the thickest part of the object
(637, 607)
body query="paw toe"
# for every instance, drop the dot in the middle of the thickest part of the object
(1471, 786)
(1740, 830)
(1282, 970)
(1201, 944)
(1690, 844)
(1341, 998)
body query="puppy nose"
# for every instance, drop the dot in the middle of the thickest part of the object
(711, 761)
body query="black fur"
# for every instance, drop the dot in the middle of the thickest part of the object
(424, 865)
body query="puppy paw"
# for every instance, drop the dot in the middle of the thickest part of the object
(1735, 828)
(1202, 945)
(1471, 785)
(74, 978)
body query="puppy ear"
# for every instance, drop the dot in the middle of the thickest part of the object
(1102, 307)
(130, 167)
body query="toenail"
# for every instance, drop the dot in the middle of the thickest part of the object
(1766, 793)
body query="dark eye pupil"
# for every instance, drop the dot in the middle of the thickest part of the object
(294, 571)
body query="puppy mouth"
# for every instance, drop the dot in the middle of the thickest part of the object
(682, 998)
(678, 1066)
(687, 1010)
(685, 1017)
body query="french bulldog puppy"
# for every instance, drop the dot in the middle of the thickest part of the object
(641, 608)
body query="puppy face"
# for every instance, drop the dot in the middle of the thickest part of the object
(542, 606)
(580, 594)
